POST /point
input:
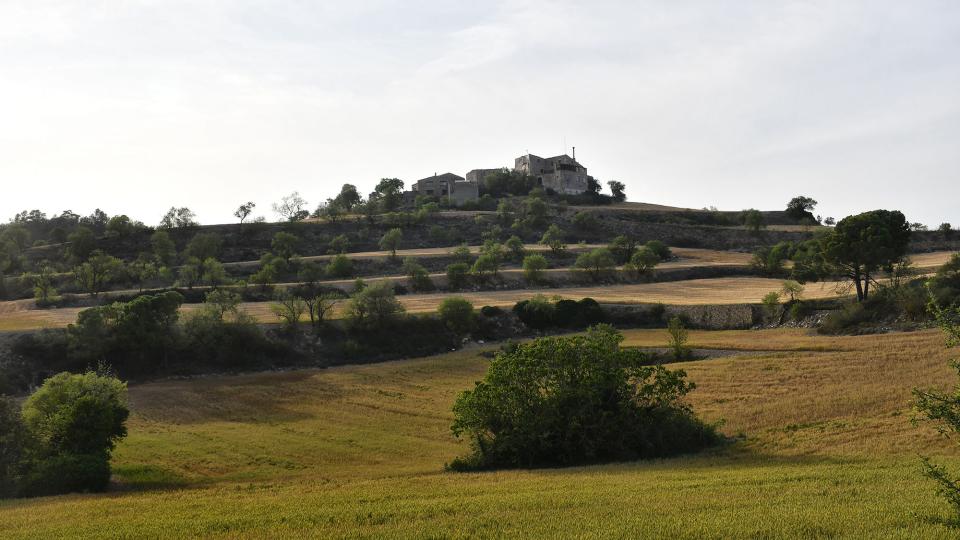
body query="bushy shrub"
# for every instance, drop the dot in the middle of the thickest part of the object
(534, 267)
(210, 341)
(554, 239)
(340, 266)
(595, 264)
(540, 313)
(642, 262)
(577, 314)
(419, 277)
(136, 337)
(770, 260)
(486, 265)
(623, 248)
(661, 249)
(457, 313)
(516, 248)
(586, 221)
(576, 400)
(458, 275)
(679, 336)
(536, 312)
(12, 446)
(73, 421)
(846, 319)
(374, 306)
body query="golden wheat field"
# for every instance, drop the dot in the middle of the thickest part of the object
(825, 448)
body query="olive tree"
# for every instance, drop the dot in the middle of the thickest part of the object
(596, 263)
(642, 262)
(390, 241)
(553, 238)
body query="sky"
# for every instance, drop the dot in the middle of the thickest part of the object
(135, 106)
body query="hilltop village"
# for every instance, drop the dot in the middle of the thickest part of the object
(561, 174)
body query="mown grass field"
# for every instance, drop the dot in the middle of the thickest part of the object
(825, 448)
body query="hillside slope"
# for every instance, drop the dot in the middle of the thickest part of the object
(359, 452)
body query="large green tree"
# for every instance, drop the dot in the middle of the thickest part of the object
(74, 421)
(98, 272)
(388, 193)
(348, 197)
(861, 245)
(574, 400)
(801, 208)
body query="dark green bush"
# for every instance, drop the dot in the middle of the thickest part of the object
(69, 428)
(12, 446)
(576, 400)
(457, 313)
(491, 311)
(539, 313)
(661, 249)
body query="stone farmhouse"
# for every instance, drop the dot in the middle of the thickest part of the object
(447, 185)
(563, 174)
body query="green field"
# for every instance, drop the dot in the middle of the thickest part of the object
(825, 448)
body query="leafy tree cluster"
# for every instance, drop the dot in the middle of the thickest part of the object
(541, 313)
(61, 440)
(800, 209)
(576, 400)
(178, 218)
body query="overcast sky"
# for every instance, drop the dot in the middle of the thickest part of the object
(135, 106)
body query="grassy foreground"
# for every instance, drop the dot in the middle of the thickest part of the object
(826, 449)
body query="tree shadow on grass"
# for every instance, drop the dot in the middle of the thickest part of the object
(731, 454)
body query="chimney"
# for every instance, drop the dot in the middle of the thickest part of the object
(574, 153)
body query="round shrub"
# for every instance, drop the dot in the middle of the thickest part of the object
(457, 314)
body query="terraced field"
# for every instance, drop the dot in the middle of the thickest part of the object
(690, 292)
(22, 314)
(824, 448)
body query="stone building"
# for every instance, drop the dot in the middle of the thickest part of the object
(562, 174)
(477, 175)
(454, 188)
